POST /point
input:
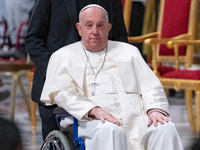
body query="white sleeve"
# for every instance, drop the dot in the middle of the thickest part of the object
(61, 89)
(155, 99)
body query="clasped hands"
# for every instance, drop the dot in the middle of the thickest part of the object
(153, 117)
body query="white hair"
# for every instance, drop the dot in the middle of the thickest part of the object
(92, 5)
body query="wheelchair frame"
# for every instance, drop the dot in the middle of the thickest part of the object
(56, 140)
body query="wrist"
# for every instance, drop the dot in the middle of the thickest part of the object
(92, 112)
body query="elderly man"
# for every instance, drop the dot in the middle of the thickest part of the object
(107, 86)
(52, 26)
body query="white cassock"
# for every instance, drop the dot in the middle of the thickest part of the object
(125, 86)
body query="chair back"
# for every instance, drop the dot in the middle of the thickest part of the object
(176, 18)
(174, 22)
(23, 27)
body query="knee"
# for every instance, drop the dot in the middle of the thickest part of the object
(166, 129)
(164, 136)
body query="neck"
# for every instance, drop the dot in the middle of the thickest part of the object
(93, 50)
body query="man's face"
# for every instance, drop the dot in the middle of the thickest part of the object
(94, 29)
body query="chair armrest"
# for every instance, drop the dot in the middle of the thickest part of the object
(170, 44)
(151, 41)
(139, 39)
(185, 36)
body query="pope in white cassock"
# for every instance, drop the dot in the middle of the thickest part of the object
(119, 102)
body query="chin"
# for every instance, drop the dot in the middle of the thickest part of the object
(95, 48)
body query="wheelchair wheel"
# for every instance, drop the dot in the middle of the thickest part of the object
(56, 140)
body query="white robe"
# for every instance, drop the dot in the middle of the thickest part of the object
(65, 75)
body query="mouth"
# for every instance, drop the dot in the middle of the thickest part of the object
(95, 39)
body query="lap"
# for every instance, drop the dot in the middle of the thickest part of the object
(93, 127)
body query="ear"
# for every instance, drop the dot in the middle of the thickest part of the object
(109, 27)
(78, 26)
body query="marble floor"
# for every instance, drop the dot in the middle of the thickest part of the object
(32, 139)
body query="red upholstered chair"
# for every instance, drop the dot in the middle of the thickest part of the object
(21, 33)
(185, 79)
(177, 20)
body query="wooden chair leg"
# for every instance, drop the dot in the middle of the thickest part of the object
(189, 107)
(13, 97)
(197, 106)
(32, 104)
(33, 114)
(24, 96)
(15, 82)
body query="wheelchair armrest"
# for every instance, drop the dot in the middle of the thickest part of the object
(60, 113)
(59, 110)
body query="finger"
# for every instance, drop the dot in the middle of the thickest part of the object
(160, 119)
(167, 119)
(149, 122)
(102, 119)
(113, 120)
(117, 123)
(155, 122)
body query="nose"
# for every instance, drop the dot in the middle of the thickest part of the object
(95, 30)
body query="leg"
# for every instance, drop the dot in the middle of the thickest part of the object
(163, 137)
(48, 119)
(95, 133)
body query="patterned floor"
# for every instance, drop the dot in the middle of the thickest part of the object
(32, 139)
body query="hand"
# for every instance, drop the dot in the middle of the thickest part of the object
(103, 115)
(155, 117)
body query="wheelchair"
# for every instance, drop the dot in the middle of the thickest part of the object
(65, 138)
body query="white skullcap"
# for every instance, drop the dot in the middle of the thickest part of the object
(94, 5)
